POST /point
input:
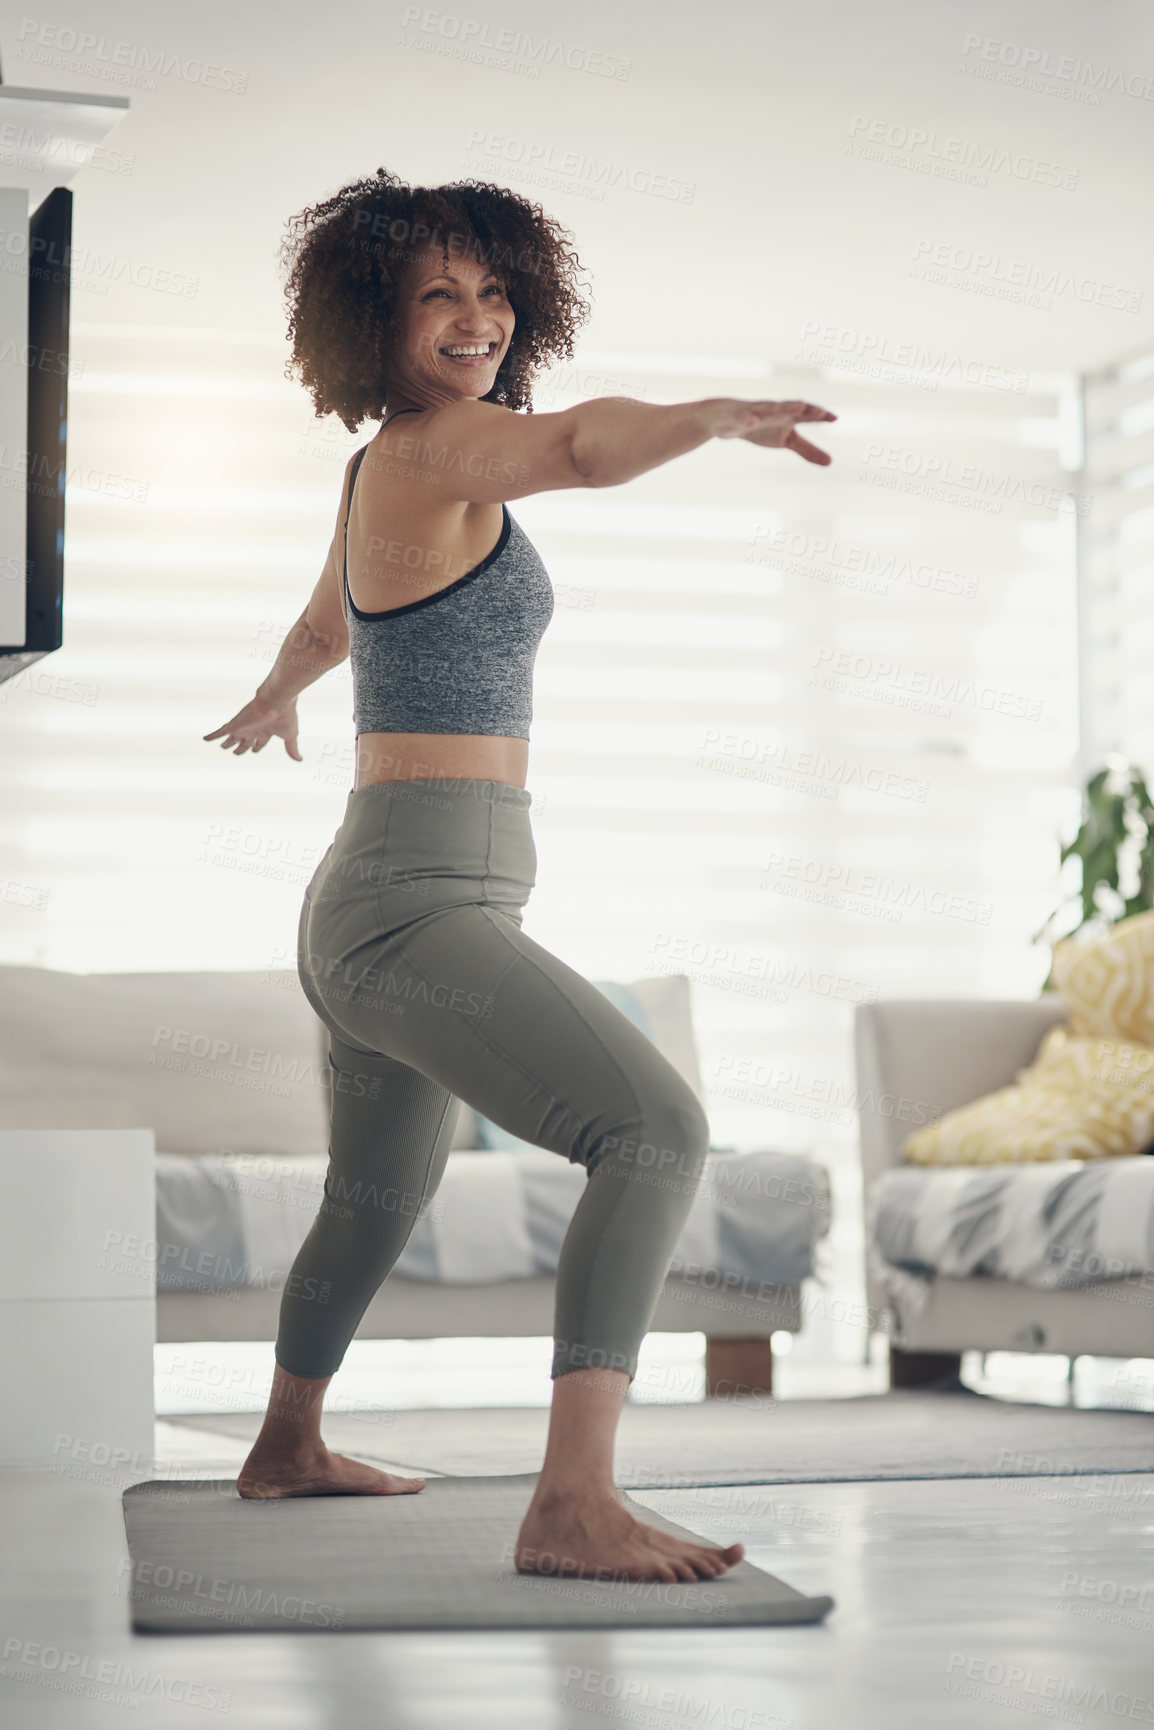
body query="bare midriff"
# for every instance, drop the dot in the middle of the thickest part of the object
(391, 484)
(430, 756)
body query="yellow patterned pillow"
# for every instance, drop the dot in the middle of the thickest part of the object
(1083, 1097)
(1107, 983)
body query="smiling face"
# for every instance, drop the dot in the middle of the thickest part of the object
(450, 331)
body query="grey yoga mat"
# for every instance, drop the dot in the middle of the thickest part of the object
(203, 1559)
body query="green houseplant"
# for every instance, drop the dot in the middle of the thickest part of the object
(1117, 831)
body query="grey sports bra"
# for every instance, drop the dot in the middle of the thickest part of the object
(461, 659)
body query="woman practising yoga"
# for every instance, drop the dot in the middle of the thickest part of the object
(440, 305)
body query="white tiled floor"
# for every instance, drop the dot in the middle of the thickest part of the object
(943, 1591)
(978, 1602)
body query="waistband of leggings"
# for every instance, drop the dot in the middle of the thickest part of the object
(443, 792)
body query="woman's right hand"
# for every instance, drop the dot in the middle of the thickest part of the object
(771, 423)
(252, 727)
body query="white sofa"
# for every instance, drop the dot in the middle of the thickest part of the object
(237, 1063)
(916, 1059)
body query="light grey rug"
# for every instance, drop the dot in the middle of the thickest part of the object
(204, 1559)
(905, 1434)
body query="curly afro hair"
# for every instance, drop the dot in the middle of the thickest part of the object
(344, 257)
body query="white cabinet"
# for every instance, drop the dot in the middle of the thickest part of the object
(77, 1299)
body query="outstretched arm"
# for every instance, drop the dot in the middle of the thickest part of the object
(618, 438)
(317, 642)
(486, 454)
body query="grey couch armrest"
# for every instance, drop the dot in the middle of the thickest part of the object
(916, 1058)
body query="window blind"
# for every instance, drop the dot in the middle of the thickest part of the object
(1116, 563)
(806, 735)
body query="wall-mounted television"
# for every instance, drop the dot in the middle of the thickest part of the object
(46, 447)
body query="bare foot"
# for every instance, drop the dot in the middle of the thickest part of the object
(596, 1536)
(317, 1473)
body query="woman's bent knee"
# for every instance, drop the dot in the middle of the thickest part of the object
(668, 1143)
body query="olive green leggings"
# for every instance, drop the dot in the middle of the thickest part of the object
(411, 952)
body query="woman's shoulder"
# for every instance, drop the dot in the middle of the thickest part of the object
(410, 530)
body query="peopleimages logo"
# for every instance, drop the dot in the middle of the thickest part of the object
(115, 1681)
(859, 350)
(1029, 65)
(733, 969)
(536, 156)
(508, 49)
(888, 681)
(1018, 278)
(183, 1039)
(123, 62)
(89, 269)
(927, 151)
(836, 772)
(874, 892)
(1025, 1688)
(823, 557)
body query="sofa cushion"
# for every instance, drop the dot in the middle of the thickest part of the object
(1066, 1223)
(466, 1133)
(1089, 1093)
(213, 1062)
(1107, 982)
(224, 1223)
(224, 1062)
(1081, 1098)
(667, 1002)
